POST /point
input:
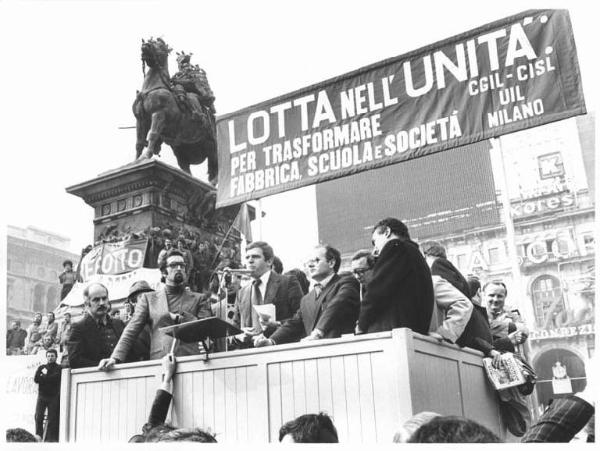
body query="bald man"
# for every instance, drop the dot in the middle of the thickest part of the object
(94, 337)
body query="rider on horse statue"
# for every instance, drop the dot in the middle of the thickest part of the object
(192, 79)
(177, 111)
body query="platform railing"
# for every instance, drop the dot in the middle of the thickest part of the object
(370, 384)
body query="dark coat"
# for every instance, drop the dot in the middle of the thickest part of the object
(334, 312)
(400, 293)
(283, 291)
(445, 269)
(477, 333)
(86, 345)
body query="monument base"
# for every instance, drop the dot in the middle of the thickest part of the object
(151, 198)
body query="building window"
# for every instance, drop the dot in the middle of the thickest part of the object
(39, 303)
(51, 299)
(10, 289)
(548, 301)
(538, 249)
(562, 246)
(461, 261)
(588, 243)
(494, 255)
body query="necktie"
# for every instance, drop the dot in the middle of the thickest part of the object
(318, 289)
(256, 300)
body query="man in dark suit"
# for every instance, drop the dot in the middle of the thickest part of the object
(173, 304)
(267, 287)
(400, 293)
(329, 310)
(94, 337)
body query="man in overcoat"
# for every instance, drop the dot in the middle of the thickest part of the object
(400, 292)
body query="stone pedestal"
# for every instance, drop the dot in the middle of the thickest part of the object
(157, 200)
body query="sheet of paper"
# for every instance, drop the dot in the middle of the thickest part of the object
(265, 311)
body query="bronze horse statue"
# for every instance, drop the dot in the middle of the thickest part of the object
(164, 115)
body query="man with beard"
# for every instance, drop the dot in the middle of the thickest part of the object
(173, 304)
(94, 336)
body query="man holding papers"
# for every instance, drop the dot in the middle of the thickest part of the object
(330, 308)
(267, 287)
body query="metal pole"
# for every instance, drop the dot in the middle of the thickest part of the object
(259, 213)
(514, 259)
(510, 229)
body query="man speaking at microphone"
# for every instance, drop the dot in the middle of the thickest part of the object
(173, 304)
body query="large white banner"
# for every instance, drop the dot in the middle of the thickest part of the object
(118, 285)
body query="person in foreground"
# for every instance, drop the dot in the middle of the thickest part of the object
(309, 428)
(561, 421)
(155, 429)
(20, 435)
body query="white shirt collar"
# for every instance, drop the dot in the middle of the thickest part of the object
(323, 282)
(264, 280)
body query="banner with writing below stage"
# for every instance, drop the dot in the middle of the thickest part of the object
(113, 258)
(20, 390)
(117, 285)
(512, 74)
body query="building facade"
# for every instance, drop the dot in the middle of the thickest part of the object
(34, 262)
(549, 174)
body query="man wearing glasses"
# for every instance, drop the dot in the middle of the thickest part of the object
(328, 310)
(362, 268)
(173, 304)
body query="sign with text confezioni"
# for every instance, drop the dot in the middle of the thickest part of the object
(516, 73)
(114, 258)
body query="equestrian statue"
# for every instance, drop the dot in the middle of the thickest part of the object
(178, 111)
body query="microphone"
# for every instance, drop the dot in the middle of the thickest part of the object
(242, 272)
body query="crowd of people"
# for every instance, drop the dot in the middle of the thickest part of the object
(40, 336)
(397, 284)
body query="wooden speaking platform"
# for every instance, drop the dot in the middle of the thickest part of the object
(370, 384)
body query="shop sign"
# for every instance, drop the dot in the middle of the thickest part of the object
(562, 332)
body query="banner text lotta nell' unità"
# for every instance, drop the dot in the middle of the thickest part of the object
(497, 79)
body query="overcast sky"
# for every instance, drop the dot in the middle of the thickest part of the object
(71, 70)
